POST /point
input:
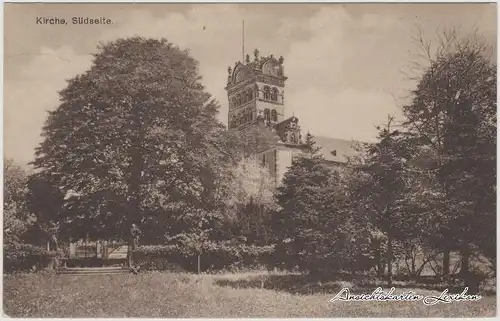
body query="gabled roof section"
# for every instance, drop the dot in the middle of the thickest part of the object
(240, 73)
(259, 66)
(287, 126)
(335, 149)
(285, 123)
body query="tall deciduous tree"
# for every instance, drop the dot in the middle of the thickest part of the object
(134, 140)
(385, 194)
(453, 115)
(16, 218)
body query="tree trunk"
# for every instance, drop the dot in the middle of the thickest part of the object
(53, 239)
(389, 258)
(378, 263)
(380, 269)
(446, 262)
(465, 254)
(54, 261)
(470, 280)
(136, 167)
(129, 256)
(105, 249)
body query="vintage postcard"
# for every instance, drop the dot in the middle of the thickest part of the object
(249, 160)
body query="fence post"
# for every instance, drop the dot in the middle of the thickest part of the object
(129, 250)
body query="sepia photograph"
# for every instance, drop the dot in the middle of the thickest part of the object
(249, 160)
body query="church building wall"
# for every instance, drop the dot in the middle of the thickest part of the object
(284, 161)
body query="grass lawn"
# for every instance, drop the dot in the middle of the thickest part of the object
(181, 295)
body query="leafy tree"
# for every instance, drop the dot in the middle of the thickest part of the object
(250, 202)
(196, 227)
(16, 219)
(134, 140)
(251, 140)
(47, 202)
(368, 244)
(453, 116)
(385, 194)
(310, 215)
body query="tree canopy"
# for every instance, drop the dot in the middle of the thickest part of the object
(133, 140)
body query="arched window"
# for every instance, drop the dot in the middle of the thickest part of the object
(267, 93)
(267, 115)
(249, 94)
(274, 94)
(233, 121)
(274, 115)
(293, 138)
(233, 102)
(238, 100)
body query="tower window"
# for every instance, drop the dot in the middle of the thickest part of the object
(267, 93)
(274, 94)
(233, 121)
(267, 115)
(249, 94)
(247, 117)
(238, 100)
(274, 115)
(334, 152)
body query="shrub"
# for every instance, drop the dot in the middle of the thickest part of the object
(19, 257)
(214, 256)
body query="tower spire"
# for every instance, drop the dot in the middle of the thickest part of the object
(243, 41)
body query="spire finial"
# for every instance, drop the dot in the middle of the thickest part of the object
(256, 53)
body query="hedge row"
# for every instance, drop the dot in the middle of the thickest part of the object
(213, 256)
(18, 257)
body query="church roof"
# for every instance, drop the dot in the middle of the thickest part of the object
(335, 149)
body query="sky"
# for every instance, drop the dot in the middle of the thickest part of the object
(348, 65)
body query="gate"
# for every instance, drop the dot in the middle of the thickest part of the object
(98, 253)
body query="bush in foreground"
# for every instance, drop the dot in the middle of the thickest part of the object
(18, 257)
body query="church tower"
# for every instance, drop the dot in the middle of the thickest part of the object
(255, 91)
(256, 94)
